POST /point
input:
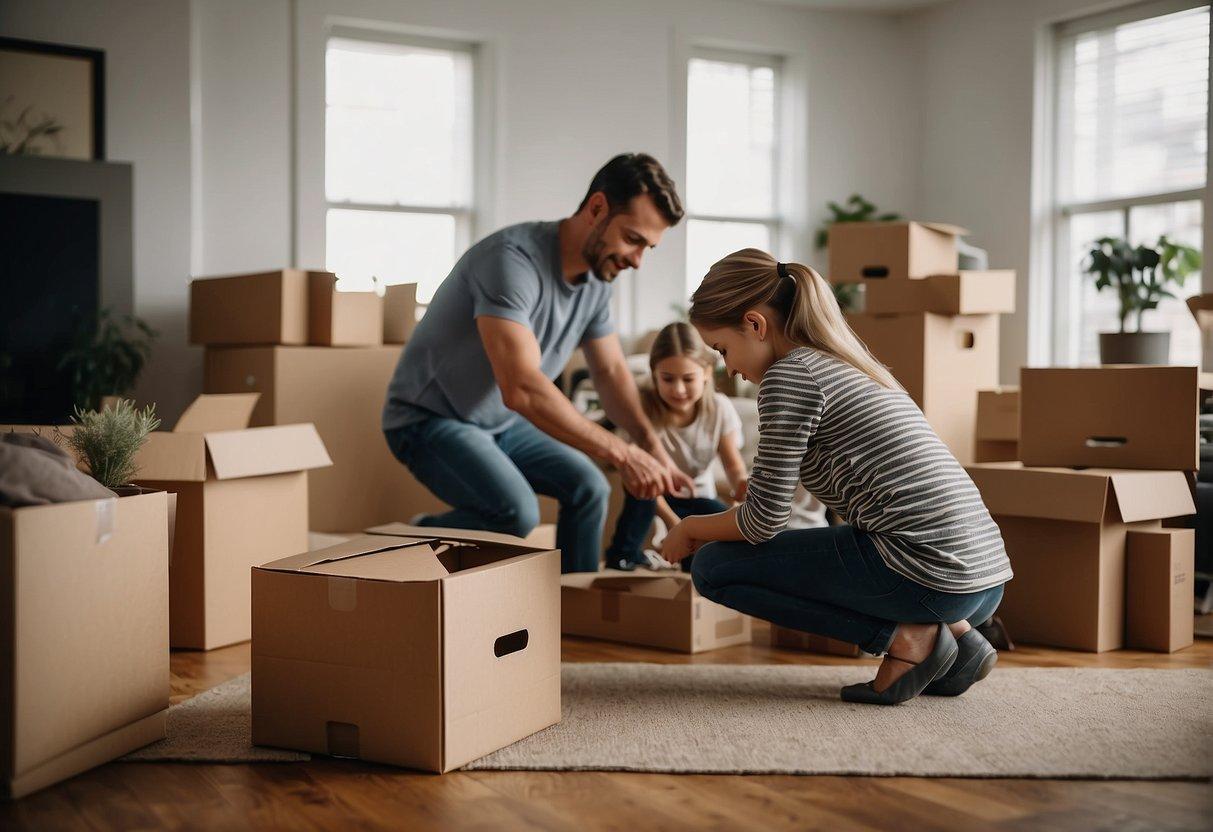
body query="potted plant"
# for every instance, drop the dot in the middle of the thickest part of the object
(106, 357)
(1139, 275)
(107, 440)
(855, 209)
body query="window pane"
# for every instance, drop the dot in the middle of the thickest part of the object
(394, 247)
(398, 124)
(1094, 311)
(730, 139)
(707, 242)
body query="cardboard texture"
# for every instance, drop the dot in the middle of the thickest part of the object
(963, 293)
(423, 648)
(1160, 587)
(869, 251)
(264, 308)
(812, 643)
(342, 319)
(84, 634)
(399, 312)
(242, 497)
(653, 609)
(942, 361)
(997, 431)
(1201, 307)
(1094, 416)
(1065, 532)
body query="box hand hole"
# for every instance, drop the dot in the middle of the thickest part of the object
(967, 340)
(875, 271)
(1106, 441)
(511, 643)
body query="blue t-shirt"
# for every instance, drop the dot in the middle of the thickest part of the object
(514, 274)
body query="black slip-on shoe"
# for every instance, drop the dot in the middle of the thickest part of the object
(915, 681)
(975, 658)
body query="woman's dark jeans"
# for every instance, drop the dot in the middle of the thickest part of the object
(830, 581)
(636, 518)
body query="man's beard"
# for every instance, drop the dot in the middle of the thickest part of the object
(593, 252)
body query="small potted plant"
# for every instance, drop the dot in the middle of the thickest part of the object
(1140, 276)
(107, 440)
(106, 357)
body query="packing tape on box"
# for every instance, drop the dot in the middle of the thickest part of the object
(343, 594)
(103, 525)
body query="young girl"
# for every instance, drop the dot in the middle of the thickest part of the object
(919, 558)
(696, 425)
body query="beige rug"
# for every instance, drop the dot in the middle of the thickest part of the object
(1072, 723)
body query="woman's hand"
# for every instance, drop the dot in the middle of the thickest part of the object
(678, 543)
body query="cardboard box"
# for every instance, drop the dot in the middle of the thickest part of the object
(1065, 532)
(1160, 585)
(423, 648)
(963, 293)
(1110, 417)
(264, 308)
(790, 639)
(1201, 307)
(942, 361)
(867, 251)
(399, 312)
(241, 498)
(653, 609)
(997, 430)
(83, 635)
(342, 319)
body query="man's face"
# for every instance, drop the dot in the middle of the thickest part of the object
(618, 241)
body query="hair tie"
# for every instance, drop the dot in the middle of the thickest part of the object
(782, 268)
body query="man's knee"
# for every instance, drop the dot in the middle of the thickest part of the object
(518, 516)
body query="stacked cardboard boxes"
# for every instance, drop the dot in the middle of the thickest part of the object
(934, 326)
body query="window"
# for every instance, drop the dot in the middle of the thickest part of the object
(398, 161)
(732, 158)
(1131, 133)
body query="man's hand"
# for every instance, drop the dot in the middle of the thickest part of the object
(678, 544)
(681, 484)
(643, 476)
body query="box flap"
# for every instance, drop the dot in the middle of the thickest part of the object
(376, 557)
(270, 450)
(171, 457)
(217, 411)
(1201, 307)
(1052, 493)
(1152, 495)
(457, 535)
(945, 228)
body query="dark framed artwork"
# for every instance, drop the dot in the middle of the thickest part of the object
(52, 100)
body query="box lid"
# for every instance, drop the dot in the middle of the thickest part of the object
(652, 585)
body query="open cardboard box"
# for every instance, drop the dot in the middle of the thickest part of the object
(418, 647)
(997, 430)
(241, 498)
(653, 609)
(863, 252)
(84, 625)
(342, 319)
(1065, 532)
(963, 293)
(399, 312)
(264, 308)
(1160, 585)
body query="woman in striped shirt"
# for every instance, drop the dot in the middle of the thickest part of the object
(919, 557)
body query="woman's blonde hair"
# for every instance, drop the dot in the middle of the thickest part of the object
(678, 339)
(751, 278)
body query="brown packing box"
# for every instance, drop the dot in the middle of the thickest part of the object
(342, 319)
(942, 361)
(867, 251)
(241, 498)
(1160, 586)
(997, 425)
(84, 625)
(653, 609)
(399, 312)
(1065, 532)
(264, 308)
(424, 648)
(1110, 416)
(790, 639)
(963, 293)
(1201, 307)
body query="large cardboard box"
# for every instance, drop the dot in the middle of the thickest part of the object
(997, 425)
(241, 498)
(423, 648)
(963, 293)
(1110, 417)
(867, 251)
(790, 639)
(83, 635)
(942, 361)
(264, 308)
(1160, 587)
(399, 312)
(1065, 532)
(342, 319)
(653, 609)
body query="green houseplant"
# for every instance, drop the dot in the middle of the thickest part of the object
(1140, 277)
(855, 209)
(106, 357)
(107, 440)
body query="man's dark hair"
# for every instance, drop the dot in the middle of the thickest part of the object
(629, 175)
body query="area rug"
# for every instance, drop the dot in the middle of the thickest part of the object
(787, 719)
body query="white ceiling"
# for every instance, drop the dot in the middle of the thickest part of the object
(887, 6)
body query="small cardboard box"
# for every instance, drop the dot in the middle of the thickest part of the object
(418, 647)
(1065, 532)
(790, 639)
(653, 609)
(342, 319)
(963, 293)
(1160, 587)
(868, 251)
(997, 425)
(264, 308)
(241, 498)
(942, 361)
(399, 312)
(1111, 417)
(1201, 307)
(84, 627)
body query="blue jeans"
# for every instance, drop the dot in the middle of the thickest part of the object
(636, 518)
(830, 581)
(491, 482)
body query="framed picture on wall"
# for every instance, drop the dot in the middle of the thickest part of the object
(52, 100)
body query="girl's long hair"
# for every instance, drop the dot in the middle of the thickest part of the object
(678, 339)
(751, 278)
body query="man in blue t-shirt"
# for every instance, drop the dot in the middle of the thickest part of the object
(472, 409)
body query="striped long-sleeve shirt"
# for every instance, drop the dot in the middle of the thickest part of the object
(868, 453)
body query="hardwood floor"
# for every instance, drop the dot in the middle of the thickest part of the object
(335, 794)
